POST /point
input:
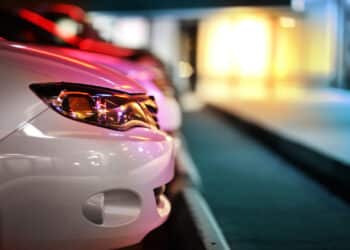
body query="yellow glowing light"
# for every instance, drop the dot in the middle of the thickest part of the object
(255, 54)
(288, 91)
(125, 86)
(185, 69)
(287, 22)
(219, 46)
(67, 28)
(239, 46)
(287, 59)
(250, 47)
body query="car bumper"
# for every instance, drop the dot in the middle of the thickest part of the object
(68, 185)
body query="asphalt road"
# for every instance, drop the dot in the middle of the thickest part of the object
(260, 200)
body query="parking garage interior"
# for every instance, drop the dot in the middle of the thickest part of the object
(263, 155)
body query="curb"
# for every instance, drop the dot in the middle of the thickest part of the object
(331, 173)
(208, 229)
(205, 233)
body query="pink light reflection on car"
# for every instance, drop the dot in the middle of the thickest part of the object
(69, 182)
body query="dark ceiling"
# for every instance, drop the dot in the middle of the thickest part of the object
(142, 5)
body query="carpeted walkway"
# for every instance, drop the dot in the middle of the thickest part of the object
(259, 200)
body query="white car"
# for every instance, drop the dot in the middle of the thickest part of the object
(152, 78)
(82, 162)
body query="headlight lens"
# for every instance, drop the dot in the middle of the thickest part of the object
(99, 106)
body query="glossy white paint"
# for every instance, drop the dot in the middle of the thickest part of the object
(52, 167)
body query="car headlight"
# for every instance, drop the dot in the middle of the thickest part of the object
(99, 106)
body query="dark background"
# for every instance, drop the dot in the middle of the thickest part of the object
(135, 5)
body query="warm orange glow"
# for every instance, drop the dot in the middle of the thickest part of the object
(288, 52)
(251, 48)
(224, 91)
(255, 53)
(238, 46)
(287, 22)
(125, 86)
(185, 69)
(215, 49)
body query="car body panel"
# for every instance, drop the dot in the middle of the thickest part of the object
(46, 185)
(60, 177)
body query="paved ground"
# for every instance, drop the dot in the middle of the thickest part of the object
(259, 200)
(318, 118)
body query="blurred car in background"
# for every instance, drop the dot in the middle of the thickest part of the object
(83, 163)
(44, 28)
(60, 29)
(72, 20)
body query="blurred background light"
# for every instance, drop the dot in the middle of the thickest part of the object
(287, 22)
(251, 49)
(258, 52)
(67, 28)
(298, 5)
(126, 31)
(132, 32)
(103, 23)
(185, 69)
(250, 46)
(238, 45)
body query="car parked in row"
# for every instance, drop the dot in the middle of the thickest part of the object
(43, 28)
(83, 161)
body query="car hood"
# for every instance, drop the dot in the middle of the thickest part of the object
(145, 76)
(95, 74)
